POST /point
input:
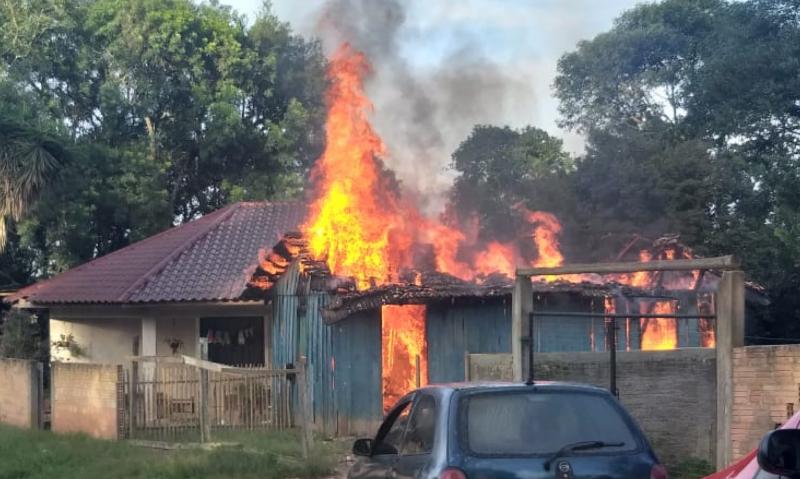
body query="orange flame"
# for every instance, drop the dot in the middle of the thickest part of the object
(355, 221)
(545, 236)
(362, 228)
(497, 257)
(359, 224)
(403, 342)
(659, 333)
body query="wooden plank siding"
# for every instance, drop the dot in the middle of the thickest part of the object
(357, 352)
(454, 329)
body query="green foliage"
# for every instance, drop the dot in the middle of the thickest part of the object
(500, 168)
(40, 454)
(693, 127)
(165, 110)
(21, 337)
(691, 468)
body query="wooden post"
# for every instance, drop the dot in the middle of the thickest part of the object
(521, 308)
(305, 413)
(205, 427)
(729, 329)
(133, 388)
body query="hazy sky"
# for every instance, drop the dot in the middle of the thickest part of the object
(527, 36)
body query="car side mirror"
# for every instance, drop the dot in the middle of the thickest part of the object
(362, 447)
(779, 453)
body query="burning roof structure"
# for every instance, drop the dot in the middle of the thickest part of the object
(368, 280)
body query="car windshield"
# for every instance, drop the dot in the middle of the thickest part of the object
(534, 423)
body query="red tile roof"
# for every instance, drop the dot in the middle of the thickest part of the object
(209, 259)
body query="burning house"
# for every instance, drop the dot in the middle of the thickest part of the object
(367, 347)
(381, 298)
(377, 296)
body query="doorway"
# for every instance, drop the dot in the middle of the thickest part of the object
(404, 350)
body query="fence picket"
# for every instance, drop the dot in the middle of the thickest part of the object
(165, 399)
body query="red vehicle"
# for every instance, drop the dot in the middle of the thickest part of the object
(747, 467)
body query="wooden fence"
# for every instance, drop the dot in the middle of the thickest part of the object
(186, 399)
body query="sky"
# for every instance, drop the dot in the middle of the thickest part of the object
(507, 50)
(527, 35)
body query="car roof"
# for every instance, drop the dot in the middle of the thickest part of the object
(505, 385)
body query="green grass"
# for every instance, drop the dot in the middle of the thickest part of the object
(40, 454)
(690, 469)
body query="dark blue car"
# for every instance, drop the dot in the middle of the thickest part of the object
(513, 431)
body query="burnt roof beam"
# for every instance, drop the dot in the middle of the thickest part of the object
(721, 263)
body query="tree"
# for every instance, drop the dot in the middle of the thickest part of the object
(28, 161)
(500, 168)
(22, 337)
(695, 103)
(167, 110)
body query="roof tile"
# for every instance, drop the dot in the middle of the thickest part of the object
(209, 259)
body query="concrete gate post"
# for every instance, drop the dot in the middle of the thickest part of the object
(729, 330)
(521, 308)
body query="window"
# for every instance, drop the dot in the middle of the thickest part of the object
(233, 341)
(390, 444)
(421, 428)
(530, 423)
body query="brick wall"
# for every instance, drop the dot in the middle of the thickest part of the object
(20, 391)
(85, 398)
(671, 394)
(766, 391)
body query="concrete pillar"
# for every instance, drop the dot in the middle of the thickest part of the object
(149, 341)
(147, 370)
(521, 307)
(729, 334)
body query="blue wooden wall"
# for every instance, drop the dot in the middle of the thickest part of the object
(357, 373)
(344, 359)
(460, 327)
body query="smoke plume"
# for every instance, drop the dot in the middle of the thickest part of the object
(423, 113)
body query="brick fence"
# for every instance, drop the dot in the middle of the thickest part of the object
(766, 392)
(671, 394)
(87, 398)
(20, 393)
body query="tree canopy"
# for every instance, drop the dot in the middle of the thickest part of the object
(119, 118)
(149, 112)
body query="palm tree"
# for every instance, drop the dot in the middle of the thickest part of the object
(28, 162)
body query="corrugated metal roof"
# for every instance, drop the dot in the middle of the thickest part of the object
(209, 259)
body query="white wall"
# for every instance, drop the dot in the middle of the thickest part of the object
(106, 340)
(111, 340)
(185, 329)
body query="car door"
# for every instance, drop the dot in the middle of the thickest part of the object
(386, 445)
(418, 443)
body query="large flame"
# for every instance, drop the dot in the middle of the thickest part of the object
(359, 224)
(355, 222)
(405, 350)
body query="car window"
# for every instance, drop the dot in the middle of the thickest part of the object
(390, 443)
(529, 423)
(421, 427)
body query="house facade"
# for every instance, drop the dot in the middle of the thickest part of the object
(238, 287)
(179, 291)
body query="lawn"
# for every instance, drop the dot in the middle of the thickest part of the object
(40, 454)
